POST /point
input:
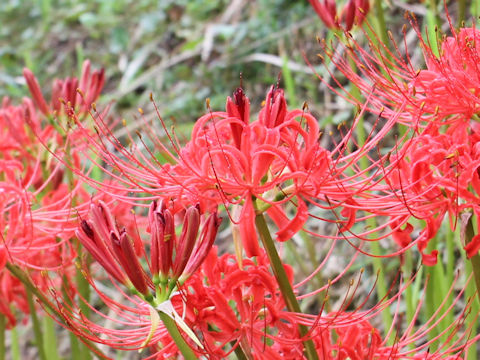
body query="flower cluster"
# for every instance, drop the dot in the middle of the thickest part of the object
(148, 231)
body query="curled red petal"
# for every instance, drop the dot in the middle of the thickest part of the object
(248, 232)
(294, 225)
(473, 246)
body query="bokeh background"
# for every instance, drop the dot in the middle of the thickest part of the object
(187, 51)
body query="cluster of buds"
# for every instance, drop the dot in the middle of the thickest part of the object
(68, 93)
(353, 13)
(172, 258)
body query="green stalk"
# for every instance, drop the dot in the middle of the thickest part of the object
(471, 318)
(447, 278)
(37, 329)
(475, 260)
(50, 339)
(289, 82)
(282, 280)
(409, 297)
(433, 24)
(15, 346)
(172, 329)
(3, 329)
(475, 8)
(307, 241)
(75, 347)
(32, 289)
(436, 292)
(84, 290)
(371, 223)
(471, 266)
(462, 7)
(381, 287)
(381, 25)
(239, 352)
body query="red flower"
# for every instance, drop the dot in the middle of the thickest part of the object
(173, 259)
(447, 91)
(68, 93)
(353, 13)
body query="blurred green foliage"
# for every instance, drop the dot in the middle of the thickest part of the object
(182, 51)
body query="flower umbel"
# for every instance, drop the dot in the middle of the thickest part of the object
(172, 258)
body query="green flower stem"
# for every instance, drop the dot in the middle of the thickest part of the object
(433, 24)
(475, 260)
(49, 339)
(410, 298)
(32, 289)
(471, 319)
(448, 278)
(471, 266)
(462, 7)
(15, 346)
(239, 352)
(75, 347)
(381, 287)
(3, 329)
(282, 280)
(172, 329)
(475, 8)
(84, 290)
(381, 25)
(37, 329)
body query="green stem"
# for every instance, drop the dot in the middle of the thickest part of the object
(37, 329)
(472, 266)
(3, 329)
(32, 289)
(50, 340)
(410, 299)
(475, 8)
(84, 290)
(381, 287)
(381, 25)
(475, 260)
(283, 282)
(433, 24)
(172, 329)
(15, 346)
(239, 352)
(75, 347)
(307, 241)
(462, 7)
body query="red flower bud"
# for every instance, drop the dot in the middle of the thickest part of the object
(203, 245)
(35, 91)
(275, 110)
(186, 241)
(238, 108)
(125, 254)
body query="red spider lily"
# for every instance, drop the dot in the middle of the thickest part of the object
(227, 306)
(112, 247)
(173, 258)
(436, 170)
(438, 174)
(68, 93)
(447, 91)
(252, 166)
(451, 83)
(13, 296)
(353, 13)
(36, 213)
(257, 318)
(354, 336)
